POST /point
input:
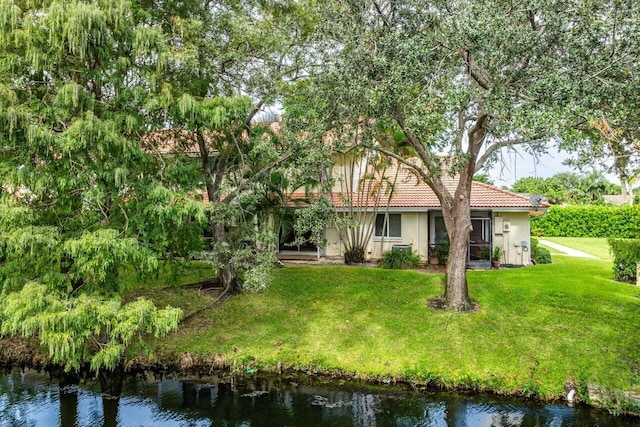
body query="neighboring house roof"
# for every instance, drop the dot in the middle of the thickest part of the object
(182, 141)
(171, 141)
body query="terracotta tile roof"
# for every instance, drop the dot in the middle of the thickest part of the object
(412, 193)
(173, 141)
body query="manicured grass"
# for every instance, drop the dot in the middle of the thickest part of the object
(592, 245)
(167, 287)
(537, 327)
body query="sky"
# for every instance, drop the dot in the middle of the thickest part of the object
(520, 165)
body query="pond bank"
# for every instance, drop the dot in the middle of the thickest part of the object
(26, 354)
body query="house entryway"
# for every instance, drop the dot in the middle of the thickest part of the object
(479, 239)
(287, 250)
(480, 243)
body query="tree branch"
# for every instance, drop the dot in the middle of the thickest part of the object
(473, 72)
(415, 142)
(501, 144)
(478, 126)
(379, 10)
(254, 111)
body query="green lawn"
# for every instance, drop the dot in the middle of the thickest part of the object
(537, 327)
(592, 245)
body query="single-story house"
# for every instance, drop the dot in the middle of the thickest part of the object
(414, 219)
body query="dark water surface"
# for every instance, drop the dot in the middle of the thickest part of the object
(35, 399)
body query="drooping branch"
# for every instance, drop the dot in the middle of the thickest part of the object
(491, 149)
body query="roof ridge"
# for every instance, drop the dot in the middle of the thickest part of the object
(502, 190)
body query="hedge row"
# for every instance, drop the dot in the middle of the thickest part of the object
(588, 221)
(626, 255)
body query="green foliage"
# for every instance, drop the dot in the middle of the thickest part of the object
(498, 251)
(397, 259)
(80, 200)
(571, 188)
(484, 178)
(626, 255)
(539, 254)
(441, 250)
(589, 221)
(97, 257)
(82, 329)
(312, 221)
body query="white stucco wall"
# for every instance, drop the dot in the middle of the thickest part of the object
(512, 236)
(414, 232)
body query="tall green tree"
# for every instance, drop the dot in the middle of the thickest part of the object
(228, 64)
(613, 144)
(465, 79)
(609, 135)
(77, 82)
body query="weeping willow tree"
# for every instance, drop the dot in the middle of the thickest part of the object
(81, 203)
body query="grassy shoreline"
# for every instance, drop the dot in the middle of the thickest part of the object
(539, 330)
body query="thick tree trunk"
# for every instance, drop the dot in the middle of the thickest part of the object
(458, 223)
(227, 274)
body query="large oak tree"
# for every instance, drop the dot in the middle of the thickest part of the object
(464, 79)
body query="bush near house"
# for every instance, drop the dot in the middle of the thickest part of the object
(539, 254)
(589, 221)
(626, 255)
(398, 259)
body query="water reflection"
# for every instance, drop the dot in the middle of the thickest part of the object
(35, 399)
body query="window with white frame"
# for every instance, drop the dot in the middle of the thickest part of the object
(391, 227)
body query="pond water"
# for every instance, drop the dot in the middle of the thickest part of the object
(35, 399)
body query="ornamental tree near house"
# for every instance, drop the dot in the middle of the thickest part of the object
(366, 183)
(464, 79)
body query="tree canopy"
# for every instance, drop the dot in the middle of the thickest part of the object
(568, 188)
(101, 106)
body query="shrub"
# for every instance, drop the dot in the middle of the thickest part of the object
(540, 255)
(588, 221)
(398, 259)
(626, 255)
